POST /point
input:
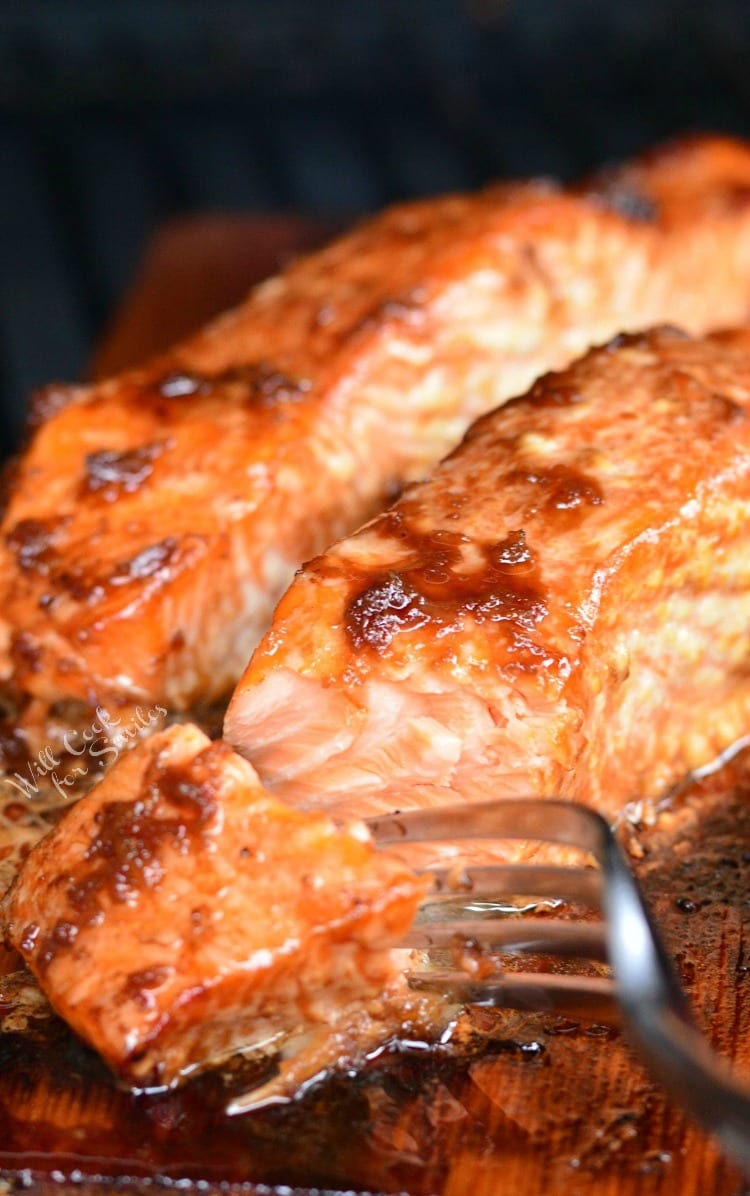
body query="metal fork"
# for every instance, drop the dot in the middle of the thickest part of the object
(641, 988)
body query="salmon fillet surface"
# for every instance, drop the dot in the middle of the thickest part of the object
(154, 519)
(177, 912)
(563, 607)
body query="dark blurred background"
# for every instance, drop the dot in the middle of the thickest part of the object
(117, 114)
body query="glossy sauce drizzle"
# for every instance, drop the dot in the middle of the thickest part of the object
(125, 855)
(437, 588)
(449, 576)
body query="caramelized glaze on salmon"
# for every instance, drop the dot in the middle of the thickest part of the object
(562, 607)
(178, 912)
(155, 518)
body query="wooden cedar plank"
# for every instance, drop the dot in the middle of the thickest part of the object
(577, 1115)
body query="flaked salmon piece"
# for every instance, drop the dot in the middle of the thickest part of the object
(178, 912)
(155, 518)
(562, 607)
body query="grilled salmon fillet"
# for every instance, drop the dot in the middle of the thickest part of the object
(154, 519)
(178, 912)
(563, 606)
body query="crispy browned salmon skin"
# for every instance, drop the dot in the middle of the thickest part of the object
(178, 912)
(563, 607)
(155, 518)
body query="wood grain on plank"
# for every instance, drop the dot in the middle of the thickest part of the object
(529, 1105)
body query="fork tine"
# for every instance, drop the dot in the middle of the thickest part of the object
(537, 936)
(591, 998)
(543, 819)
(643, 986)
(530, 880)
